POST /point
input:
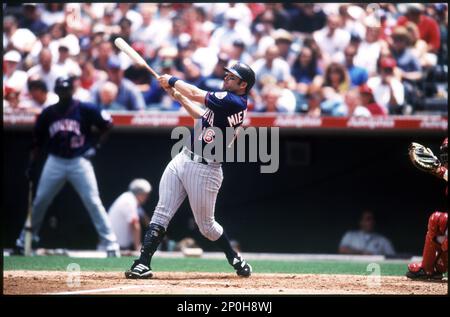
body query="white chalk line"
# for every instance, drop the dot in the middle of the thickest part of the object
(128, 287)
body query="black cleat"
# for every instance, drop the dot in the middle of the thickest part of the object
(139, 271)
(423, 276)
(241, 266)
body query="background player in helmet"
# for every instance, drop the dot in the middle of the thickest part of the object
(435, 251)
(193, 175)
(65, 131)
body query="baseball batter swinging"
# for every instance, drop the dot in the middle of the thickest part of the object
(193, 175)
(64, 130)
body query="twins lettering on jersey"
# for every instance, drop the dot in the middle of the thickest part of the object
(65, 125)
(68, 125)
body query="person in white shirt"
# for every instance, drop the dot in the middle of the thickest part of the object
(332, 39)
(12, 75)
(365, 241)
(46, 70)
(388, 91)
(232, 30)
(369, 49)
(274, 66)
(124, 214)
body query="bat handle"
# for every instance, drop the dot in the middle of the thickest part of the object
(155, 74)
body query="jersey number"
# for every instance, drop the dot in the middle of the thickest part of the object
(208, 135)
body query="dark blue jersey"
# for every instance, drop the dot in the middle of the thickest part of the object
(223, 109)
(67, 132)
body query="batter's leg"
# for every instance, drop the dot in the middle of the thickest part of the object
(81, 175)
(51, 181)
(171, 196)
(202, 183)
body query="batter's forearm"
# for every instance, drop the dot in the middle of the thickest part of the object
(190, 91)
(194, 110)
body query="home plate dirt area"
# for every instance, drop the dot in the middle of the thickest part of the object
(91, 283)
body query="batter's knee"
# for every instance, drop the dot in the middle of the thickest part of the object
(437, 223)
(211, 230)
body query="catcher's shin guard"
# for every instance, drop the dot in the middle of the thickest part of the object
(435, 255)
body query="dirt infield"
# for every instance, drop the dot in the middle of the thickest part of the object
(53, 282)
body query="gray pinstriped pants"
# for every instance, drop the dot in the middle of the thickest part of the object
(200, 183)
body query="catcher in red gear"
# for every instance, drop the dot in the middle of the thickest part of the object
(435, 251)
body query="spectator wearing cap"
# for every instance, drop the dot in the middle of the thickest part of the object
(128, 95)
(408, 64)
(358, 75)
(46, 69)
(40, 97)
(306, 69)
(273, 65)
(214, 81)
(388, 91)
(332, 39)
(31, 19)
(370, 47)
(226, 34)
(307, 18)
(12, 75)
(428, 27)
(284, 42)
(126, 212)
(368, 101)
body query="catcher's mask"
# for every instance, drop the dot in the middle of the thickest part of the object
(444, 152)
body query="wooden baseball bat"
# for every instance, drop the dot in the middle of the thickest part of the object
(127, 49)
(28, 227)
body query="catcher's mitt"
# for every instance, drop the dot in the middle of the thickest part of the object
(423, 158)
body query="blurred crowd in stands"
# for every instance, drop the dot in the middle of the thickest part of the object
(322, 59)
